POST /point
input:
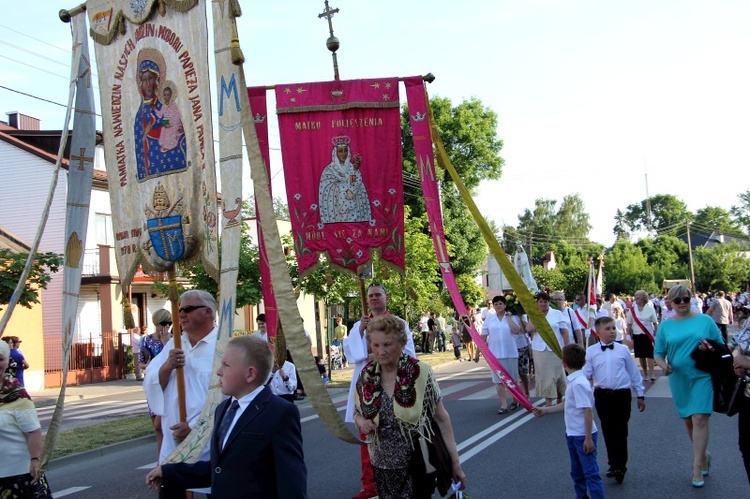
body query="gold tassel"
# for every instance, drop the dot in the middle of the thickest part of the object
(234, 8)
(127, 314)
(236, 52)
(412, 294)
(162, 8)
(280, 345)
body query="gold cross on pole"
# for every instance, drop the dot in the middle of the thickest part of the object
(81, 158)
(332, 43)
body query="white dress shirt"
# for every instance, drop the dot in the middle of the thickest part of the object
(612, 369)
(198, 368)
(500, 338)
(578, 396)
(277, 384)
(244, 402)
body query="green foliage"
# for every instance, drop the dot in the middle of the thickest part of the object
(627, 269)
(552, 279)
(713, 218)
(723, 267)
(668, 215)
(471, 292)
(667, 256)
(466, 245)
(11, 268)
(280, 208)
(546, 225)
(741, 211)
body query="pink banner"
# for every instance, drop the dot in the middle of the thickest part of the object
(341, 144)
(259, 109)
(420, 126)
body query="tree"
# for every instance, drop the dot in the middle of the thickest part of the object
(627, 269)
(714, 218)
(742, 211)
(621, 226)
(666, 215)
(723, 267)
(11, 268)
(280, 208)
(667, 256)
(469, 133)
(546, 225)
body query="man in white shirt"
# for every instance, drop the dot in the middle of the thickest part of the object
(614, 373)
(195, 358)
(283, 381)
(356, 351)
(550, 377)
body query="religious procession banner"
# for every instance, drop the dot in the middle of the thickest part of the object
(156, 120)
(259, 107)
(341, 144)
(420, 125)
(80, 175)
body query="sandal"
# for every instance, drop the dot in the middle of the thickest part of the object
(516, 405)
(503, 410)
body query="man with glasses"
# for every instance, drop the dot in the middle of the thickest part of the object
(199, 333)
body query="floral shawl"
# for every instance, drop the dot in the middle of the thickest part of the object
(12, 390)
(415, 395)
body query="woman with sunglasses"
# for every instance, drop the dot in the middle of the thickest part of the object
(692, 391)
(151, 345)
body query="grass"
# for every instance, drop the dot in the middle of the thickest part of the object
(92, 437)
(342, 378)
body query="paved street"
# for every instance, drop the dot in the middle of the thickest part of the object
(510, 456)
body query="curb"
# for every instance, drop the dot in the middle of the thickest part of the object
(63, 461)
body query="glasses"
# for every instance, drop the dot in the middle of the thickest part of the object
(681, 300)
(189, 308)
(165, 323)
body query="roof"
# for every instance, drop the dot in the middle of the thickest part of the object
(698, 240)
(40, 143)
(10, 241)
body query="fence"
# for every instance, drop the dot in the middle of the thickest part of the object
(101, 358)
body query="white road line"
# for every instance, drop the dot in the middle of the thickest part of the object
(523, 418)
(118, 410)
(68, 407)
(485, 394)
(148, 466)
(457, 387)
(69, 491)
(315, 416)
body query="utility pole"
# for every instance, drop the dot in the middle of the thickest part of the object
(690, 252)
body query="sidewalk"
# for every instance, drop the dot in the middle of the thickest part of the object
(48, 396)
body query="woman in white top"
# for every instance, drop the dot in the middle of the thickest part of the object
(499, 332)
(643, 331)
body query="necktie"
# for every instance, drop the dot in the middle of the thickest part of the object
(611, 346)
(226, 422)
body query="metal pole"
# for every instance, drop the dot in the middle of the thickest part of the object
(690, 252)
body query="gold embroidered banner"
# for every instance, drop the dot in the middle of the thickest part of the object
(158, 137)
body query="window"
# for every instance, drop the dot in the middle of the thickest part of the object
(104, 233)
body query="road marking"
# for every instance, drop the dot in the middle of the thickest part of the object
(118, 410)
(69, 491)
(524, 416)
(148, 466)
(485, 394)
(68, 407)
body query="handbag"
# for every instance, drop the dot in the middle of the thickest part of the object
(432, 460)
(736, 400)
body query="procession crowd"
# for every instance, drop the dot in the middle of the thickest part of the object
(408, 447)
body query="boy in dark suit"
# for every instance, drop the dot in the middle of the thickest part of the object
(256, 446)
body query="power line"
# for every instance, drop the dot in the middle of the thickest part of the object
(35, 39)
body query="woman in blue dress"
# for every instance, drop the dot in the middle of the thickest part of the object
(692, 390)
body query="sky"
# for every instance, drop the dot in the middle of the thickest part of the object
(607, 100)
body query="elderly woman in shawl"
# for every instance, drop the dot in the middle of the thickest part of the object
(398, 400)
(21, 437)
